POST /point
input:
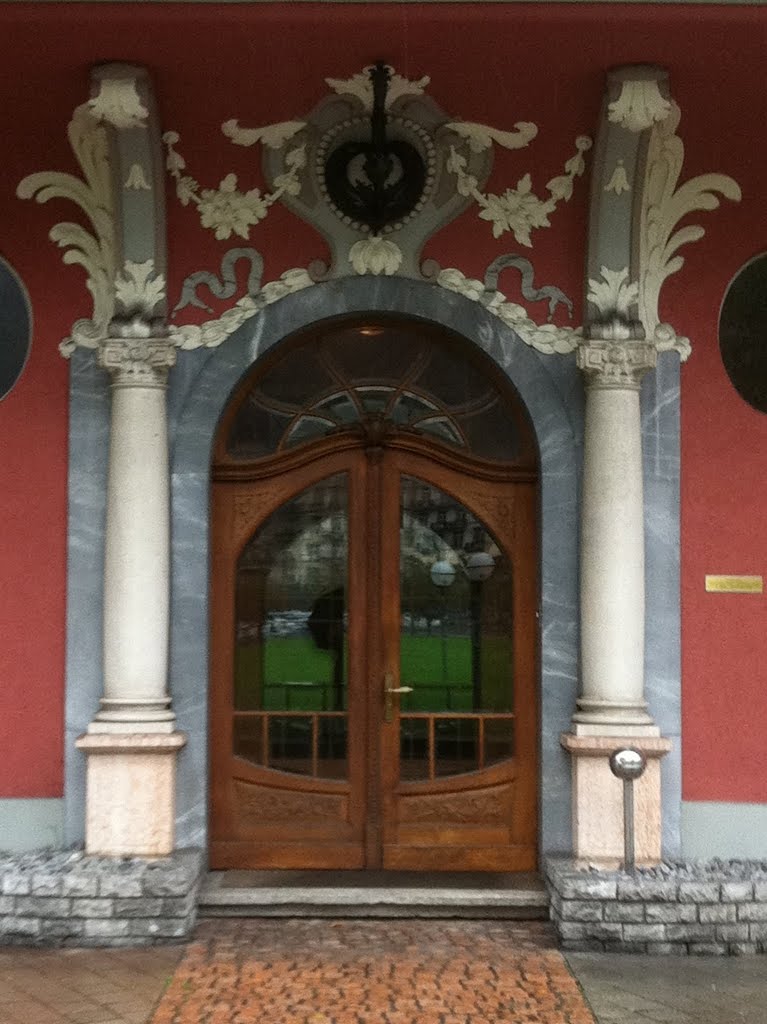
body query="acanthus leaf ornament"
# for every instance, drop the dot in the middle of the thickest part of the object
(482, 136)
(118, 103)
(664, 204)
(614, 294)
(361, 86)
(115, 139)
(375, 255)
(639, 106)
(138, 289)
(272, 135)
(96, 252)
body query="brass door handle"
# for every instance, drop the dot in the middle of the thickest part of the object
(389, 692)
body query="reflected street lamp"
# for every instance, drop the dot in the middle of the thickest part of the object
(442, 575)
(478, 568)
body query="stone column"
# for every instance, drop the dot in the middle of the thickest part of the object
(131, 743)
(612, 712)
(612, 541)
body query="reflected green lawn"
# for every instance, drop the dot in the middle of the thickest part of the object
(438, 669)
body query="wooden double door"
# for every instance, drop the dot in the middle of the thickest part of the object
(373, 700)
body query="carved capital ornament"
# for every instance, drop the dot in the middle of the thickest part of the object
(137, 362)
(614, 364)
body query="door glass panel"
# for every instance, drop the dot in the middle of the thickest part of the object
(290, 678)
(456, 638)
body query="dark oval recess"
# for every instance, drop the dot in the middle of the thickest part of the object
(743, 333)
(15, 327)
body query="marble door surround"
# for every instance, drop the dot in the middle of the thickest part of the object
(605, 414)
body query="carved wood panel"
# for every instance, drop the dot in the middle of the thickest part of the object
(257, 805)
(478, 806)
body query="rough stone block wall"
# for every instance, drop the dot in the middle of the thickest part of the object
(68, 899)
(718, 908)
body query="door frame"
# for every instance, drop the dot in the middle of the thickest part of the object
(550, 388)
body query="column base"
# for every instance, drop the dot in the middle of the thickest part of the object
(131, 793)
(598, 799)
(613, 718)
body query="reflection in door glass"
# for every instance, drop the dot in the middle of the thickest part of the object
(456, 638)
(290, 684)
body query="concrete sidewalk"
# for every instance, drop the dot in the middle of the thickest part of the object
(625, 989)
(305, 971)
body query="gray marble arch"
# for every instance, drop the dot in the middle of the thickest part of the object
(199, 388)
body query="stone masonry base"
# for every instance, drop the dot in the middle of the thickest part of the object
(718, 908)
(65, 898)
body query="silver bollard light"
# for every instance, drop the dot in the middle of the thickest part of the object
(628, 764)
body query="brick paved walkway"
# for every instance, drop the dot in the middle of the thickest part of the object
(372, 972)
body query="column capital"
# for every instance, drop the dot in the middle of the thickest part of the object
(137, 362)
(614, 363)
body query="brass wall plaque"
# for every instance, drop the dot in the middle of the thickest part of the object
(734, 584)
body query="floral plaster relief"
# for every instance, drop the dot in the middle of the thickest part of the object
(229, 210)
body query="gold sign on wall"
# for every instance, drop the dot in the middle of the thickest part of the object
(734, 584)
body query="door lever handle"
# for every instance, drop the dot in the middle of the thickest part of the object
(389, 692)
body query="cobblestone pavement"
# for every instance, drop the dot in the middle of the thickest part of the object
(625, 989)
(372, 972)
(83, 986)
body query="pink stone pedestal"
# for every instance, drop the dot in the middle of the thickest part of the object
(131, 793)
(598, 799)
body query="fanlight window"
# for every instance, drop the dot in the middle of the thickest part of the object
(409, 375)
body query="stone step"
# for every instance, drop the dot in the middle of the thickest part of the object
(395, 894)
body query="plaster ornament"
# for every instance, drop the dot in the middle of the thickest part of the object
(548, 338)
(272, 135)
(226, 287)
(639, 106)
(614, 294)
(616, 363)
(119, 103)
(518, 210)
(663, 206)
(619, 182)
(94, 252)
(482, 136)
(136, 179)
(360, 85)
(226, 210)
(526, 270)
(375, 255)
(142, 362)
(214, 332)
(138, 289)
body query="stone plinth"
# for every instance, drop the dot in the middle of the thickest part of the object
(66, 898)
(718, 908)
(131, 790)
(598, 799)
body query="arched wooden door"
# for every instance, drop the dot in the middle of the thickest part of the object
(373, 698)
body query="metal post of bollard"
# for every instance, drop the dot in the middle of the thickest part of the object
(628, 764)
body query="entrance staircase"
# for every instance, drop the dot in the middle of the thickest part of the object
(365, 894)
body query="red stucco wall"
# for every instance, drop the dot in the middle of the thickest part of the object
(489, 63)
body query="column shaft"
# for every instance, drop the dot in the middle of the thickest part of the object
(137, 549)
(612, 542)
